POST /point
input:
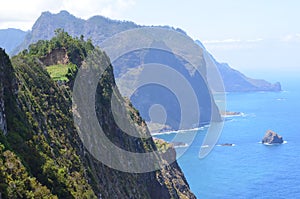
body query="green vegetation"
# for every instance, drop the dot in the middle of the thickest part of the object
(44, 149)
(61, 72)
(42, 155)
(162, 145)
(62, 55)
(75, 47)
(15, 181)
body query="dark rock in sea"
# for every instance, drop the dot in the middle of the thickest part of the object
(227, 144)
(272, 138)
(230, 113)
(179, 144)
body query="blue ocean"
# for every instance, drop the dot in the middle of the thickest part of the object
(250, 169)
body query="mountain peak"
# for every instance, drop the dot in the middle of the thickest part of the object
(64, 12)
(46, 13)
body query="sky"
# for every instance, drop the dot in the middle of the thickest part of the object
(252, 36)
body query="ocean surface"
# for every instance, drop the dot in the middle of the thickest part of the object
(250, 169)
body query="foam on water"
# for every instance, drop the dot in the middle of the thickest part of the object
(250, 169)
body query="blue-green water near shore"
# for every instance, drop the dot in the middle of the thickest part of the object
(250, 169)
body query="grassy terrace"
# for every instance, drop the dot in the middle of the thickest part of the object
(61, 72)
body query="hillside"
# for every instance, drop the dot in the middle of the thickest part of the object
(41, 153)
(99, 28)
(235, 81)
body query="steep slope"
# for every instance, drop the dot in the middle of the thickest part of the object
(98, 29)
(235, 81)
(128, 74)
(42, 144)
(10, 38)
(4, 61)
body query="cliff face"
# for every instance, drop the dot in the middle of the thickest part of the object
(42, 154)
(6, 84)
(98, 29)
(235, 81)
(2, 114)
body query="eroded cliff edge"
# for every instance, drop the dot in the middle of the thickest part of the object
(41, 154)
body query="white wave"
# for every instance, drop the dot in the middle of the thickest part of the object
(249, 115)
(267, 144)
(204, 146)
(181, 146)
(164, 133)
(206, 126)
(284, 142)
(281, 99)
(180, 131)
(236, 115)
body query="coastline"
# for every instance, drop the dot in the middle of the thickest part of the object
(180, 131)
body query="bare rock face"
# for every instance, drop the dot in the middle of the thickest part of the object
(272, 138)
(57, 56)
(3, 60)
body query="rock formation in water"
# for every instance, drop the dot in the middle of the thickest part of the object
(272, 138)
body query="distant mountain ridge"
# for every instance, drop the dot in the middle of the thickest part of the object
(10, 38)
(235, 81)
(99, 28)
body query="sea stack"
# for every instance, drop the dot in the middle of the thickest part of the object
(272, 138)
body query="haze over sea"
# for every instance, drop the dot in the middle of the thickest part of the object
(250, 169)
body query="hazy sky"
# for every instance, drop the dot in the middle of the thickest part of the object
(248, 34)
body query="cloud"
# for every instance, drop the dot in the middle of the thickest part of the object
(221, 41)
(232, 44)
(88, 8)
(230, 41)
(254, 40)
(291, 38)
(22, 14)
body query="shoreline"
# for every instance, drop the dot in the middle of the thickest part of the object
(181, 131)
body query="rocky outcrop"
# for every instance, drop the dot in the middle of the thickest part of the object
(272, 138)
(57, 56)
(227, 144)
(42, 132)
(3, 62)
